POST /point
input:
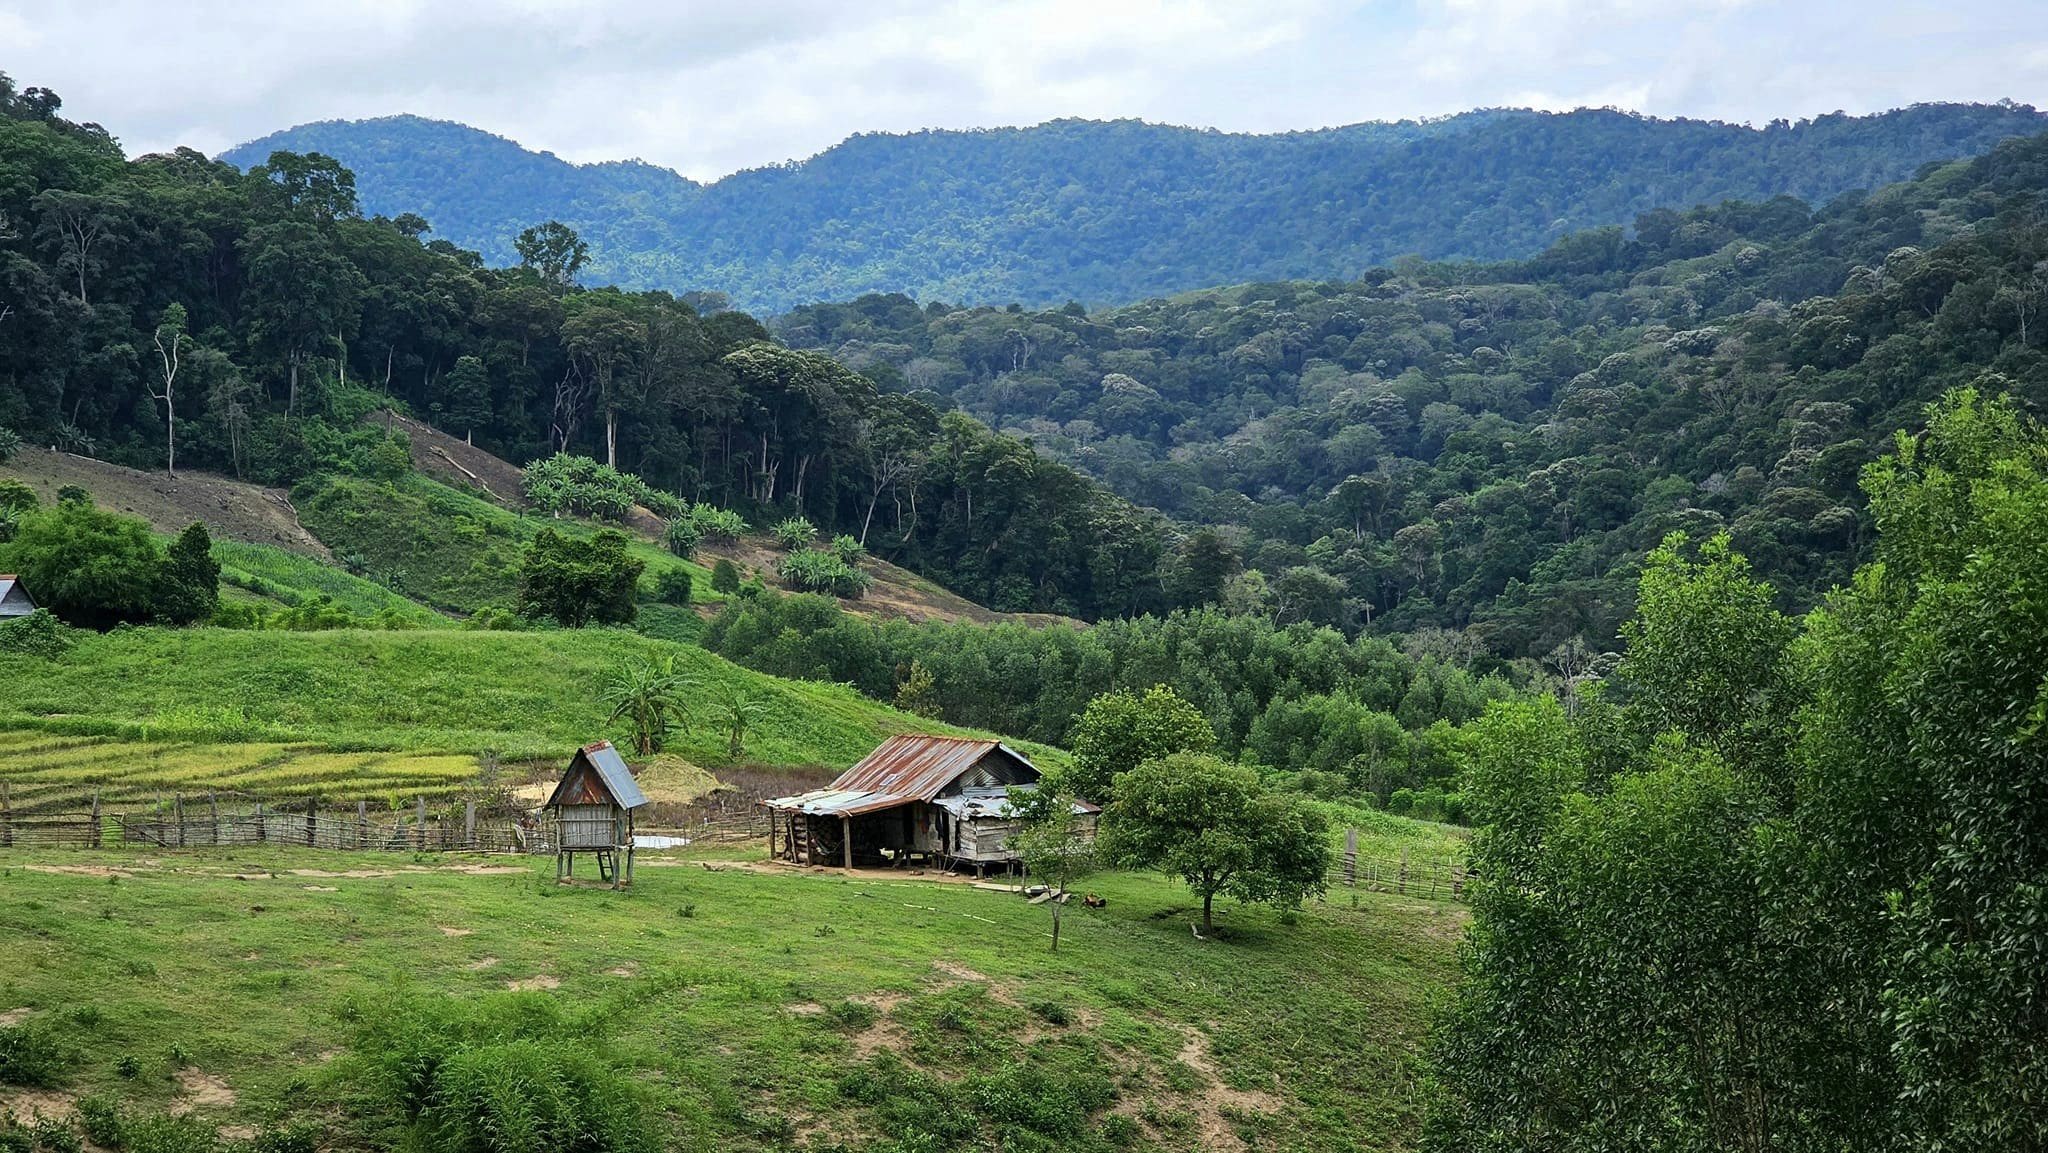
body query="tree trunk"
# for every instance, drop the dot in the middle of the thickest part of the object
(1208, 906)
(611, 436)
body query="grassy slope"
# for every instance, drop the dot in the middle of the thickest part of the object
(281, 577)
(528, 694)
(1310, 1027)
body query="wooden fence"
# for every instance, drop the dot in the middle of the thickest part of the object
(1438, 878)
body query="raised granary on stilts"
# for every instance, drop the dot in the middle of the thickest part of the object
(941, 800)
(593, 806)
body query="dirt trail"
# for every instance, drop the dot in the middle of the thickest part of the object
(229, 509)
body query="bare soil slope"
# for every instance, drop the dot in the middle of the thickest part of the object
(229, 509)
(896, 592)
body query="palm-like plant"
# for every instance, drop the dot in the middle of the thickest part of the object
(649, 696)
(739, 712)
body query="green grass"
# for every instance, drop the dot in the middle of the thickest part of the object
(755, 1012)
(52, 774)
(521, 694)
(450, 549)
(288, 578)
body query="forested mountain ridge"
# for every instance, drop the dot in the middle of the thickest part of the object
(1111, 212)
(1495, 446)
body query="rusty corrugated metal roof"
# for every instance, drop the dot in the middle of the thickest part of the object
(916, 766)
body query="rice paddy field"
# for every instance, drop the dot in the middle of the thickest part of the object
(49, 773)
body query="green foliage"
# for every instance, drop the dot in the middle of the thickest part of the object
(816, 570)
(682, 536)
(725, 577)
(32, 1055)
(649, 696)
(1116, 210)
(10, 443)
(794, 533)
(719, 525)
(39, 634)
(1119, 731)
(672, 586)
(579, 582)
(16, 497)
(565, 482)
(1209, 823)
(848, 549)
(918, 694)
(98, 569)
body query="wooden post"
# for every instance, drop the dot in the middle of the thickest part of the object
(178, 815)
(312, 827)
(6, 816)
(469, 824)
(1401, 886)
(846, 830)
(420, 835)
(213, 803)
(772, 818)
(362, 823)
(96, 831)
(1351, 857)
(262, 826)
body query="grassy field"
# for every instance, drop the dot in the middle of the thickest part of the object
(450, 549)
(162, 693)
(289, 578)
(752, 1012)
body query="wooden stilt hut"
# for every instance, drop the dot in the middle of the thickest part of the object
(593, 806)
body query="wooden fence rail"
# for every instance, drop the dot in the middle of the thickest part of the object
(1433, 877)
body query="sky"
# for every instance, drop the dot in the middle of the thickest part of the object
(709, 88)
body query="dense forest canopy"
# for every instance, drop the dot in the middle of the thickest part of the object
(1494, 447)
(1113, 212)
(175, 311)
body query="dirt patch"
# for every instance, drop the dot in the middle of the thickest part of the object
(79, 870)
(356, 874)
(626, 970)
(480, 964)
(885, 1033)
(1210, 1103)
(959, 971)
(530, 984)
(229, 509)
(457, 463)
(236, 1132)
(13, 1017)
(197, 1090)
(452, 931)
(320, 888)
(29, 1104)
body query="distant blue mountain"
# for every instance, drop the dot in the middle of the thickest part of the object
(1117, 211)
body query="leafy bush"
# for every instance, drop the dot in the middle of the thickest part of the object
(31, 1055)
(815, 570)
(579, 582)
(854, 1016)
(683, 536)
(16, 497)
(719, 525)
(847, 549)
(100, 1118)
(565, 482)
(672, 586)
(39, 634)
(159, 1133)
(10, 443)
(725, 577)
(794, 533)
(98, 569)
(493, 619)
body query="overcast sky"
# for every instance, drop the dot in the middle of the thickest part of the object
(707, 88)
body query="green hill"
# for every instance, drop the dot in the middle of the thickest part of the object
(1112, 212)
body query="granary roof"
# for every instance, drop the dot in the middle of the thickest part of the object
(611, 769)
(905, 768)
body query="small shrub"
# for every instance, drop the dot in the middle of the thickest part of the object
(128, 1067)
(847, 549)
(794, 533)
(39, 634)
(815, 570)
(687, 910)
(287, 1137)
(16, 496)
(31, 1055)
(10, 443)
(1052, 1012)
(163, 1134)
(725, 577)
(720, 525)
(494, 619)
(73, 494)
(672, 586)
(854, 1016)
(525, 1095)
(683, 536)
(1119, 1130)
(100, 1117)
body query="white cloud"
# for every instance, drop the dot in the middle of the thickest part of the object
(711, 87)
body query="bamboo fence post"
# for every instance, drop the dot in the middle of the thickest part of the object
(262, 826)
(1402, 887)
(312, 819)
(420, 834)
(94, 831)
(362, 823)
(469, 824)
(6, 816)
(213, 802)
(178, 816)
(1351, 857)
